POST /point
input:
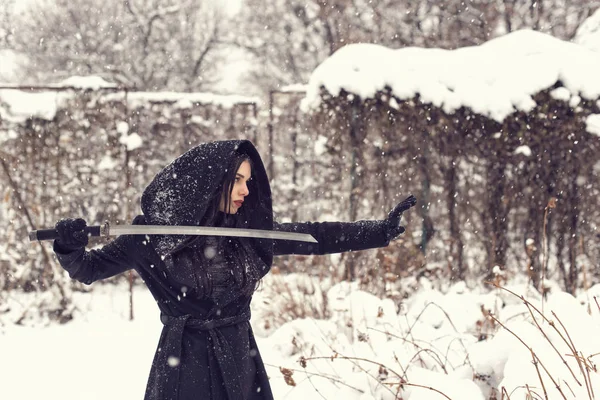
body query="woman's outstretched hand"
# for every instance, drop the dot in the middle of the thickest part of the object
(392, 223)
(71, 234)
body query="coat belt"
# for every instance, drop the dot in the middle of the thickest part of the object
(220, 350)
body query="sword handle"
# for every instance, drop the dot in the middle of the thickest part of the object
(51, 234)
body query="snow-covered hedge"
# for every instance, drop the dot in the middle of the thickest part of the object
(499, 142)
(84, 148)
(463, 344)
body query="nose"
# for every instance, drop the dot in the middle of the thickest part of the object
(244, 190)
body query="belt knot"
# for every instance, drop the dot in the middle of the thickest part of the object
(220, 349)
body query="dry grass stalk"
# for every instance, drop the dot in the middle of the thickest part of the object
(449, 320)
(355, 362)
(321, 375)
(295, 303)
(420, 349)
(551, 204)
(552, 344)
(535, 364)
(584, 364)
(534, 358)
(401, 381)
(577, 356)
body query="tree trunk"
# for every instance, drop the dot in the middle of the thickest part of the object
(357, 135)
(534, 229)
(498, 214)
(573, 220)
(295, 168)
(427, 226)
(456, 243)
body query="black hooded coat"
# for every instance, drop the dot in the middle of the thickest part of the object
(207, 349)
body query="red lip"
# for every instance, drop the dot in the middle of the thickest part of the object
(238, 203)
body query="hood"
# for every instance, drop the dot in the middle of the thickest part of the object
(180, 193)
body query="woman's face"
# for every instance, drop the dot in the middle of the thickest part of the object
(239, 190)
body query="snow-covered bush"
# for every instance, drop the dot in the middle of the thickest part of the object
(432, 346)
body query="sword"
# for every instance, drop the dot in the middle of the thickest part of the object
(107, 230)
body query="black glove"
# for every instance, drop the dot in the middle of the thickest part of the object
(393, 229)
(71, 234)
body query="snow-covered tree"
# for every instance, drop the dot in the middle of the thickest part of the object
(289, 39)
(146, 44)
(500, 145)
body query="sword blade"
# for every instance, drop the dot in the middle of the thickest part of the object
(116, 230)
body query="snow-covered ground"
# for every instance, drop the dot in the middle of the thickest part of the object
(431, 339)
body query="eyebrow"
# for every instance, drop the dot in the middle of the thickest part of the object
(240, 175)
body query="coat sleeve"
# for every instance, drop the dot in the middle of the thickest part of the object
(94, 265)
(332, 237)
(90, 266)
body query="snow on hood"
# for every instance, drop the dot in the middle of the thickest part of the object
(181, 192)
(494, 79)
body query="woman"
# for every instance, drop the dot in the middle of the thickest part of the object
(203, 285)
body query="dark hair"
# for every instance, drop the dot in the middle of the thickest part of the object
(212, 216)
(236, 252)
(229, 179)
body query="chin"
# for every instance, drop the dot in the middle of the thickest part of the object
(232, 210)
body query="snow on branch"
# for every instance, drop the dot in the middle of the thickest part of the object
(150, 18)
(593, 124)
(494, 79)
(18, 104)
(183, 100)
(86, 83)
